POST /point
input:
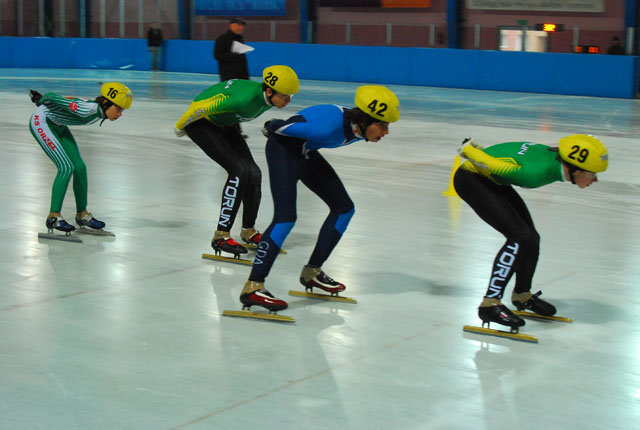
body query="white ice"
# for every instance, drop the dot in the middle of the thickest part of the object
(128, 333)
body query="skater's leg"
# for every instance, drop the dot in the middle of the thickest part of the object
(80, 182)
(284, 173)
(48, 137)
(252, 193)
(215, 143)
(498, 206)
(322, 179)
(527, 266)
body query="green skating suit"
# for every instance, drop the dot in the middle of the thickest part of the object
(48, 126)
(525, 164)
(227, 103)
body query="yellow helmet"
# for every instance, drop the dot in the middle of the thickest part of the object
(118, 93)
(281, 79)
(584, 151)
(379, 102)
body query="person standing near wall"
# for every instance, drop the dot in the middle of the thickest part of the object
(231, 65)
(154, 41)
(616, 48)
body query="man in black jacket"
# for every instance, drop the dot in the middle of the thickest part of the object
(231, 65)
(154, 41)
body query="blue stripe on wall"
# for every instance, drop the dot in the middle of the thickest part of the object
(569, 74)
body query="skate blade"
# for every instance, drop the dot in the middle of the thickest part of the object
(259, 316)
(85, 230)
(322, 296)
(63, 237)
(253, 247)
(500, 333)
(227, 259)
(542, 317)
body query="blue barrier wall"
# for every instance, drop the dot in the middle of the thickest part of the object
(569, 74)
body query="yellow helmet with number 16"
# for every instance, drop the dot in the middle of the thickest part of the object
(118, 94)
(281, 79)
(584, 152)
(379, 102)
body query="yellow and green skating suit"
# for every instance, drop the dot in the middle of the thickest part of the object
(485, 182)
(227, 103)
(48, 126)
(525, 164)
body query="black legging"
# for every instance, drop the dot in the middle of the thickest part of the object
(288, 164)
(502, 208)
(225, 146)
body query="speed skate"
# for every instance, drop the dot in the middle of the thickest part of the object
(65, 236)
(502, 315)
(528, 314)
(513, 334)
(271, 316)
(332, 297)
(99, 232)
(313, 277)
(234, 260)
(230, 246)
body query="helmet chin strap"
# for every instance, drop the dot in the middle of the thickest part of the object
(572, 169)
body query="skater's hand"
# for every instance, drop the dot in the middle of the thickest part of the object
(468, 141)
(271, 126)
(179, 133)
(265, 132)
(35, 97)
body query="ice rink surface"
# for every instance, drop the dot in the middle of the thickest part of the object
(128, 333)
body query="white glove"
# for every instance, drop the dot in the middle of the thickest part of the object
(468, 141)
(179, 133)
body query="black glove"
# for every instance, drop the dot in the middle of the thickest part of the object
(35, 97)
(271, 125)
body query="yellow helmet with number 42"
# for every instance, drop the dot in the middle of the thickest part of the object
(379, 102)
(281, 79)
(584, 152)
(118, 94)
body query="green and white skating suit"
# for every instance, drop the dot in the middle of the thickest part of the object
(525, 164)
(48, 126)
(227, 103)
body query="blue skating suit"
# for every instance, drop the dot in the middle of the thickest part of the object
(292, 156)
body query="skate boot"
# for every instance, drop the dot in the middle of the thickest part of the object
(533, 303)
(250, 236)
(254, 294)
(312, 277)
(88, 221)
(222, 241)
(492, 310)
(59, 224)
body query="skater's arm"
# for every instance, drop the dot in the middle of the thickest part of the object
(203, 108)
(72, 108)
(489, 165)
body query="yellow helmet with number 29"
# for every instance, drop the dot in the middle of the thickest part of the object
(281, 79)
(379, 102)
(117, 93)
(585, 152)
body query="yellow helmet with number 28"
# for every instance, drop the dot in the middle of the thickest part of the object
(118, 93)
(281, 79)
(585, 152)
(379, 102)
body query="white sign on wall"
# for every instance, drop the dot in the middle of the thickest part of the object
(539, 5)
